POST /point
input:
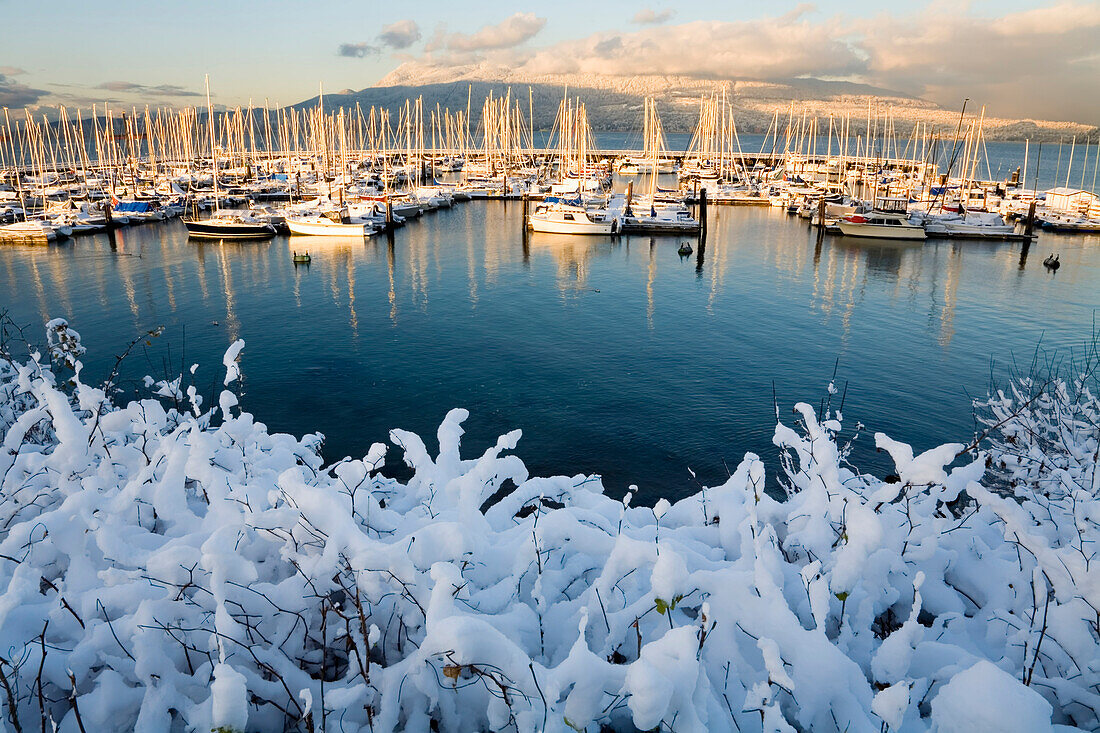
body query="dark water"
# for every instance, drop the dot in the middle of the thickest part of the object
(614, 356)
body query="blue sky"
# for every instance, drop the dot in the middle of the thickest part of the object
(158, 52)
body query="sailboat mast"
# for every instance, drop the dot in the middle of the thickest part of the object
(213, 149)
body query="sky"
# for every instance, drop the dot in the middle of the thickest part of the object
(1021, 59)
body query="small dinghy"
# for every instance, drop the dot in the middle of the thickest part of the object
(1052, 262)
(302, 258)
(685, 249)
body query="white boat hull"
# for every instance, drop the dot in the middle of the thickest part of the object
(327, 229)
(27, 232)
(877, 231)
(538, 224)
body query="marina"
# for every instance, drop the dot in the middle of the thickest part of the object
(313, 171)
(369, 191)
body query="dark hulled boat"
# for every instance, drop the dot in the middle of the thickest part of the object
(229, 227)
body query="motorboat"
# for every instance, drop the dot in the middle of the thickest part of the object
(1069, 224)
(881, 225)
(971, 225)
(668, 219)
(555, 216)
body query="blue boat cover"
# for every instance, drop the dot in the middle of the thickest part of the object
(562, 200)
(133, 207)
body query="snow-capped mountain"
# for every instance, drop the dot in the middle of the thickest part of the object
(615, 102)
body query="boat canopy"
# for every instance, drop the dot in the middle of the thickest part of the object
(561, 200)
(134, 207)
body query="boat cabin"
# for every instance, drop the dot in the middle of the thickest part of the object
(879, 218)
(1071, 200)
(891, 204)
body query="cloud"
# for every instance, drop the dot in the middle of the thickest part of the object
(1025, 63)
(120, 86)
(608, 47)
(401, 34)
(16, 95)
(171, 90)
(159, 90)
(12, 71)
(78, 97)
(1041, 62)
(769, 48)
(357, 50)
(510, 32)
(647, 16)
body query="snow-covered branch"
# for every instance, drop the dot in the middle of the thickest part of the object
(167, 568)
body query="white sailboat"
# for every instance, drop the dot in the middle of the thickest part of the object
(322, 226)
(647, 214)
(34, 230)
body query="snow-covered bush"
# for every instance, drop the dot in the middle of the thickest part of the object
(1044, 429)
(170, 568)
(64, 343)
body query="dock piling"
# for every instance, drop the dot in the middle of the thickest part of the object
(526, 206)
(702, 216)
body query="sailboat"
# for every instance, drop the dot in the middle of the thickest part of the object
(330, 224)
(652, 141)
(225, 225)
(649, 214)
(558, 214)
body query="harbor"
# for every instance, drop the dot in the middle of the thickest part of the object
(304, 187)
(344, 171)
(358, 186)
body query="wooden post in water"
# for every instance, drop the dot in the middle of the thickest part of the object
(702, 217)
(389, 214)
(526, 206)
(821, 213)
(629, 196)
(1029, 223)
